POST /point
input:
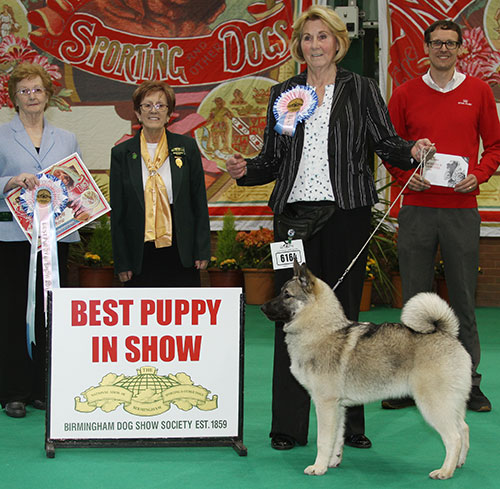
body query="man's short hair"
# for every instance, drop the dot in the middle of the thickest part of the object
(447, 25)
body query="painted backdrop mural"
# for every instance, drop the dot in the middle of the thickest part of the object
(480, 57)
(221, 57)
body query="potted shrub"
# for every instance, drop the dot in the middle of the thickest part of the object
(224, 269)
(94, 254)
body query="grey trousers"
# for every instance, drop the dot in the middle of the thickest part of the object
(456, 231)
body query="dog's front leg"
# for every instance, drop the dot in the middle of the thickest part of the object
(338, 444)
(326, 414)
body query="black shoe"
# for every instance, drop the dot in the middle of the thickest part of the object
(357, 441)
(37, 404)
(281, 442)
(404, 402)
(15, 409)
(478, 401)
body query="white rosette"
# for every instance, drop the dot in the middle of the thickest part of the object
(43, 204)
(294, 106)
(58, 193)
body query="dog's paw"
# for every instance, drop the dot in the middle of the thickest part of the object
(335, 460)
(315, 470)
(440, 474)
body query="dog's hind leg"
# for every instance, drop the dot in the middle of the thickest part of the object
(444, 419)
(464, 431)
(327, 412)
(338, 443)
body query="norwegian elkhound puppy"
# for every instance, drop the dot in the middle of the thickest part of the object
(343, 363)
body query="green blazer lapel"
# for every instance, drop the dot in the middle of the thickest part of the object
(178, 161)
(134, 162)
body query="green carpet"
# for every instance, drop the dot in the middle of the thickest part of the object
(404, 448)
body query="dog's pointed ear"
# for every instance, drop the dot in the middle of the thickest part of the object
(304, 275)
(296, 268)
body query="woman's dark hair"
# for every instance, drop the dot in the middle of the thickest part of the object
(154, 86)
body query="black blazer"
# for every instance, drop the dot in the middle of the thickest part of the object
(190, 211)
(359, 117)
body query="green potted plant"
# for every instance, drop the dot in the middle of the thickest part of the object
(94, 254)
(224, 268)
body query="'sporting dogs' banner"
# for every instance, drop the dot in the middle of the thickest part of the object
(163, 364)
(221, 57)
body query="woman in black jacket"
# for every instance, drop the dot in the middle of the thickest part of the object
(322, 172)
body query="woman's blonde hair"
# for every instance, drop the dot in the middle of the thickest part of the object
(334, 23)
(25, 71)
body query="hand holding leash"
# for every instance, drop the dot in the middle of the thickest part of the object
(423, 149)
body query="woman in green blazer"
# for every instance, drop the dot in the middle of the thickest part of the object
(159, 218)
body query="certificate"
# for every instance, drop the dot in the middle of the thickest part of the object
(85, 200)
(446, 170)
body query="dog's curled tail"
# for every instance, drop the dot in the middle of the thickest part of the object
(426, 312)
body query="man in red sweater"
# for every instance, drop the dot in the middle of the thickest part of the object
(454, 111)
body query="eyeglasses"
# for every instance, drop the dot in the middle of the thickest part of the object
(149, 107)
(450, 45)
(26, 92)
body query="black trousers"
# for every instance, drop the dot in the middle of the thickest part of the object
(328, 253)
(23, 378)
(162, 267)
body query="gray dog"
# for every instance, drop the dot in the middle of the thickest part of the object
(344, 363)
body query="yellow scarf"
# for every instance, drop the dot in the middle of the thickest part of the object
(158, 216)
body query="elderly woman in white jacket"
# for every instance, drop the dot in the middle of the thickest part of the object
(28, 145)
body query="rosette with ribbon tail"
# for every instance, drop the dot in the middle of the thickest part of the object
(294, 106)
(43, 204)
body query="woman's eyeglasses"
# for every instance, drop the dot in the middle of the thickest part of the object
(26, 92)
(149, 107)
(450, 45)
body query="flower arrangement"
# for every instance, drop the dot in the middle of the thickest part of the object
(256, 252)
(228, 264)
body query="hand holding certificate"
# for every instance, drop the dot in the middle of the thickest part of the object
(445, 170)
(84, 202)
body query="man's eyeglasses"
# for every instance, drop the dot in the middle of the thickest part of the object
(450, 45)
(149, 107)
(26, 92)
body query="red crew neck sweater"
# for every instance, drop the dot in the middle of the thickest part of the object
(454, 121)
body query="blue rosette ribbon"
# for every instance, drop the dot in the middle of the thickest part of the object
(43, 204)
(294, 106)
